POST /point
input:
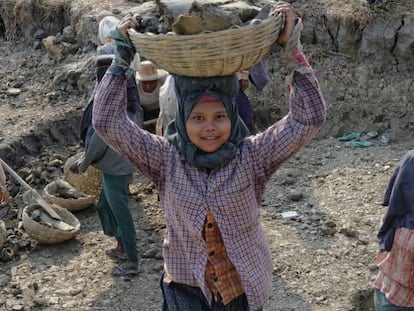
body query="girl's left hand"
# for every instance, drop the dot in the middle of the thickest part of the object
(290, 20)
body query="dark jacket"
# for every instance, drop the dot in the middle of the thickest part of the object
(97, 153)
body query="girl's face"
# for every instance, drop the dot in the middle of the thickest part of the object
(208, 125)
(149, 86)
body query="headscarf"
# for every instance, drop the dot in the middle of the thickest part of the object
(189, 91)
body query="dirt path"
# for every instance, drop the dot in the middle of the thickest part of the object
(323, 259)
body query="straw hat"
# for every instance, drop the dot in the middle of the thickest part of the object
(148, 72)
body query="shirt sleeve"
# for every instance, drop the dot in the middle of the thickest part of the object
(284, 138)
(143, 149)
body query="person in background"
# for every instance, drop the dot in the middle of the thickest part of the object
(150, 80)
(113, 204)
(257, 75)
(168, 105)
(211, 175)
(4, 193)
(394, 290)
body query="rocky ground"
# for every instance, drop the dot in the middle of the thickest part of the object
(323, 257)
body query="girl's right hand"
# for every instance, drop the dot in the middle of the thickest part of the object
(129, 21)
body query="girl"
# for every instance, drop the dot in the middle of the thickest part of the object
(211, 175)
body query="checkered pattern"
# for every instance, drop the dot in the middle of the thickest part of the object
(396, 274)
(232, 193)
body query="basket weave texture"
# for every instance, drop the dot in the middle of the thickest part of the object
(48, 235)
(89, 182)
(71, 204)
(210, 54)
(3, 234)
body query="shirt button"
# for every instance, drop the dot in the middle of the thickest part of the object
(209, 225)
(212, 253)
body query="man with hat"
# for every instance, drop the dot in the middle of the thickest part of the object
(149, 80)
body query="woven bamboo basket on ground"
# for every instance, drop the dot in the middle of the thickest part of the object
(88, 182)
(210, 54)
(45, 234)
(73, 200)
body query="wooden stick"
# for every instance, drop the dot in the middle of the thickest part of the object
(38, 198)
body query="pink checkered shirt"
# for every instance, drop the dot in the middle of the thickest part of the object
(232, 193)
(396, 269)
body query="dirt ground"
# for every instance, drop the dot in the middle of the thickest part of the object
(323, 257)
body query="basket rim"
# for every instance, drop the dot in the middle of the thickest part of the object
(205, 35)
(44, 234)
(209, 54)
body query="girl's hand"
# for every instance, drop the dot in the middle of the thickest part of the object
(129, 21)
(290, 20)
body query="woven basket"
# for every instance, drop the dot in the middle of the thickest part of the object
(219, 53)
(49, 235)
(88, 182)
(73, 204)
(3, 234)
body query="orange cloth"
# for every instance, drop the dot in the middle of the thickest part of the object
(221, 275)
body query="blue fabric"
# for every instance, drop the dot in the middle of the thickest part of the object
(114, 213)
(258, 76)
(399, 197)
(383, 304)
(245, 108)
(181, 297)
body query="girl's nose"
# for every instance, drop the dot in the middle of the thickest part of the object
(210, 126)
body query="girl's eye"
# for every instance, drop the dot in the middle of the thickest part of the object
(221, 116)
(198, 118)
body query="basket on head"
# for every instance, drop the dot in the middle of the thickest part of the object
(65, 195)
(88, 182)
(210, 54)
(45, 234)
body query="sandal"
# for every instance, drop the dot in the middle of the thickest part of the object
(358, 143)
(126, 268)
(369, 135)
(349, 136)
(384, 139)
(116, 253)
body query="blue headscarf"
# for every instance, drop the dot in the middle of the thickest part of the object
(189, 91)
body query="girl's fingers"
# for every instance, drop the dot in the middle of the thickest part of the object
(129, 21)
